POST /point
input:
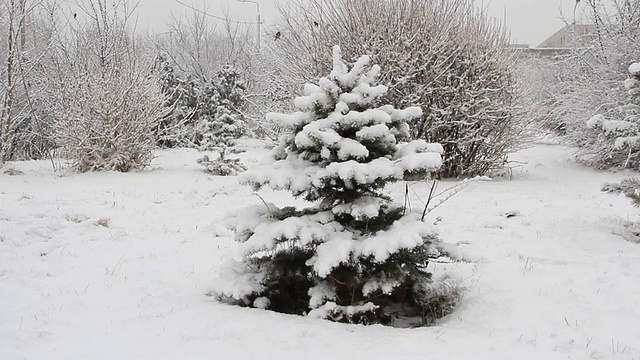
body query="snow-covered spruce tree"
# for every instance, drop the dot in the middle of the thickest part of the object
(354, 255)
(614, 138)
(629, 187)
(629, 144)
(177, 129)
(204, 114)
(223, 126)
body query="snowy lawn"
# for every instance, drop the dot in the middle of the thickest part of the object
(114, 266)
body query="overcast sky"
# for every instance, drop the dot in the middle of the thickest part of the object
(530, 21)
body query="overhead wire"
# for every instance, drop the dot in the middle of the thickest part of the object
(214, 16)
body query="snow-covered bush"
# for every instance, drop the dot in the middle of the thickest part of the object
(107, 123)
(354, 254)
(268, 90)
(105, 103)
(219, 132)
(539, 77)
(446, 55)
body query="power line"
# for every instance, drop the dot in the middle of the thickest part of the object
(213, 16)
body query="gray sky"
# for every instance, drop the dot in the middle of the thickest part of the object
(530, 21)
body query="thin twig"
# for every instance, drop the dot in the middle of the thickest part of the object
(426, 206)
(265, 204)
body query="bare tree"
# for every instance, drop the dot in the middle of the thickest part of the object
(21, 55)
(199, 44)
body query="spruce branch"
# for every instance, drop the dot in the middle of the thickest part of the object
(629, 187)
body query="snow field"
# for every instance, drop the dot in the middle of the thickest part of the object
(114, 266)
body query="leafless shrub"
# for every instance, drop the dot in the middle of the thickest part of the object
(107, 123)
(106, 105)
(199, 45)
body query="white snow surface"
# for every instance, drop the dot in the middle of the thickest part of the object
(115, 266)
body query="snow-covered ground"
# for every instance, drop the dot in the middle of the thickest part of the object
(114, 266)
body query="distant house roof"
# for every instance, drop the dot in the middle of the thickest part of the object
(570, 36)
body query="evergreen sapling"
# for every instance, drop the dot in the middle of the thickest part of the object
(224, 124)
(207, 117)
(618, 131)
(352, 256)
(182, 95)
(629, 187)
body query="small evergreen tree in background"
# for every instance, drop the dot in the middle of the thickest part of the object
(207, 118)
(354, 256)
(631, 143)
(615, 136)
(177, 129)
(620, 139)
(222, 126)
(224, 123)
